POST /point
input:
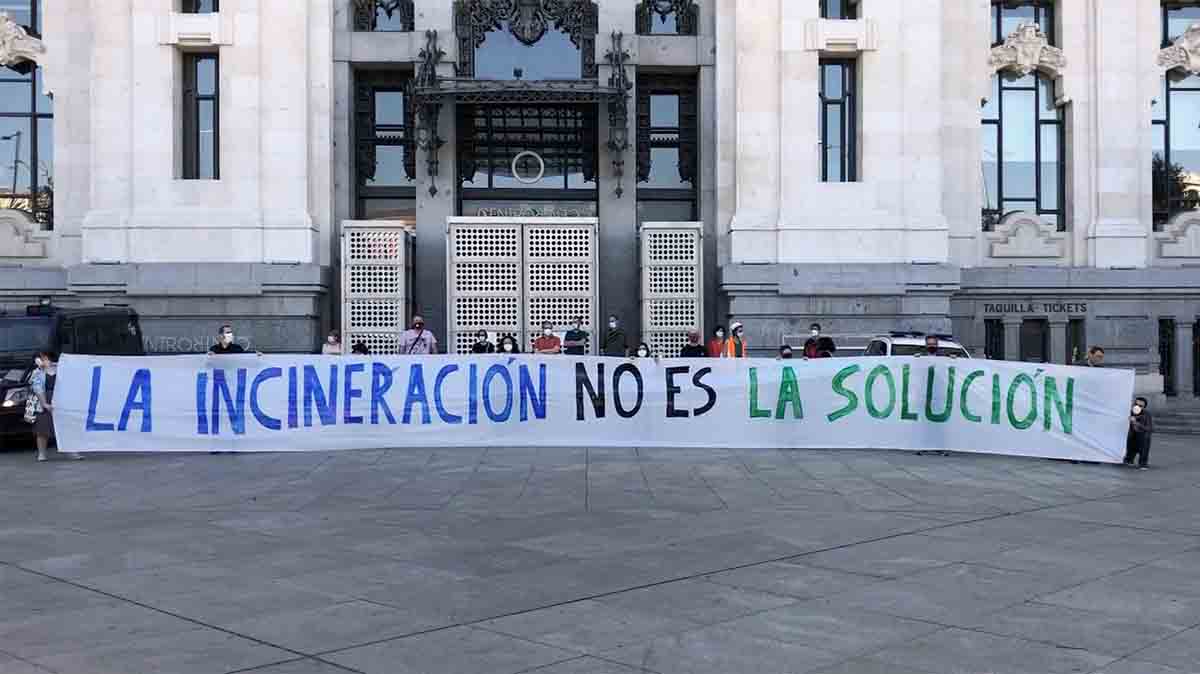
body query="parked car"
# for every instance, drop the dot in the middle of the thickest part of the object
(101, 331)
(913, 344)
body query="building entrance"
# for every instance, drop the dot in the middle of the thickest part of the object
(1166, 354)
(1035, 341)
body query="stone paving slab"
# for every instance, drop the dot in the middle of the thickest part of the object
(599, 561)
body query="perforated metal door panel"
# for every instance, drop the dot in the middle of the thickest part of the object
(376, 283)
(672, 285)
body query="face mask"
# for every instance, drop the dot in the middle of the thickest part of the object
(738, 334)
(418, 326)
(815, 332)
(547, 331)
(612, 324)
(332, 339)
(1137, 409)
(720, 335)
(507, 346)
(39, 362)
(642, 353)
(227, 338)
(482, 338)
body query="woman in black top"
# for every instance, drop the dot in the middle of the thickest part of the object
(482, 345)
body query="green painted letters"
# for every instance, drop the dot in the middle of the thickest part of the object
(789, 391)
(755, 412)
(939, 417)
(839, 388)
(1022, 424)
(872, 409)
(1053, 402)
(962, 400)
(905, 414)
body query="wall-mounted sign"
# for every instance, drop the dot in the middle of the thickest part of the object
(1032, 307)
(526, 209)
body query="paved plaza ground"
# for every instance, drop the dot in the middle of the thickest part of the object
(579, 561)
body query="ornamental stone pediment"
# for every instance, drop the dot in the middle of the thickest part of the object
(1181, 236)
(1184, 53)
(16, 230)
(1025, 235)
(16, 45)
(1025, 51)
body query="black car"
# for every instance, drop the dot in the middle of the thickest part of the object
(100, 331)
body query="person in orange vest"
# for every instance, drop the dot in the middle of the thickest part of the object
(735, 346)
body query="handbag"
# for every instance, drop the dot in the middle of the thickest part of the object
(33, 407)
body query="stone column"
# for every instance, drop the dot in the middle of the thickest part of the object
(1012, 339)
(1117, 236)
(755, 222)
(928, 236)
(1058, 342)
(1185, 330)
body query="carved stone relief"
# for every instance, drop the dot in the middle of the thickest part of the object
(1026, 50)
(16, 45)
(1181, 236)
(16, 229)
(1025, 235)
(1184, 53)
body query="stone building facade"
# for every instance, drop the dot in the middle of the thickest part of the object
(1017, 173)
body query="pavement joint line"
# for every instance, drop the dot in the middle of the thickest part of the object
(259, 668)
(165, 612)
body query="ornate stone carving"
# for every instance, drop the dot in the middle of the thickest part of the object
(1181, 236)
(16, 229)
(1184, 53)
(16, 45)
(528, 21)
(366, 11)
(686, 13)
(1026, 50)
(1025, 235)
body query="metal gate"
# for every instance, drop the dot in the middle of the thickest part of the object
(1166, 354)
(507, 276)
(672, 284)
(377, 281)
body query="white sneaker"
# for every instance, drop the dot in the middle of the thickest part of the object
(75, 456)
(41, 457)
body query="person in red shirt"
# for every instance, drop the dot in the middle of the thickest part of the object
(548, 344)
(716, 345)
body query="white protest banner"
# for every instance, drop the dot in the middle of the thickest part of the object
(308, 403)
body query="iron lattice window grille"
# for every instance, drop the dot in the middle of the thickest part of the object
(26, 130)
(667, 17)
(384, 16)
(1176, 112)
(201, 6)
(1008, 14)
(839, 121)
(666, 137)
(385, 145)
(527, 21)
(839, 9)
(201, 117)
(491, 137)
(1022, 150)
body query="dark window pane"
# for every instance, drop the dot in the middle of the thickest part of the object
(15, 140)
(207, 143)
(664, 169)
(389, 167)
(206, 76)
(991, 109)
(385, 23)
(45, 152)
(1179, 20)
(16, 96)
(1158, 108)
(389, 108)
(1185, 131)
(1048, 108)
(991, 167)
(1049, 162)
(553, 57)
(200, 6)
(832, 75)
(1011, 18)
(663, 24)
(1019, 138)
(389, 209)
(664, 110)
(18, 11)
(833, 143)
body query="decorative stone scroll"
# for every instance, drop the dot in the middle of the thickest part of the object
(1026, 50)
(16, 45)
(16, 232)
(1025, 235)
(1181, 236)
(1184, 53)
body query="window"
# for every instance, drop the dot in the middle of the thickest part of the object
(993, 338)
(839, 122)
(1008, 14)
(666, 147)
(667, 17)
(1076, 340)
(385, 148)
(26, 129)
(1176, 123)
(1022, 139)
(1035, 340)
(529, 39)
(201, 6)
(201, 117)
(839, 9)
(384, 16)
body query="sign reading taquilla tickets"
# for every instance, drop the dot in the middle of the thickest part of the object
(310, 403)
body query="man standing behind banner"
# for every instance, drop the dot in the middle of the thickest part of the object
(615, 342)
(693, 348)
(548, 344)
(575, 341)
(417, 341)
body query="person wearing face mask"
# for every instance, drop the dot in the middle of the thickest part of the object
(575, 341)
(482, 344)
(417, 341)
(643, 350)
(225, 342)
(333, 344)
(735, 346)
(508, 344)
(615, 341)
(818, 343)
(42, 384)
(716, 345)
(693, 348)
(1141, 426)
(548, 343)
